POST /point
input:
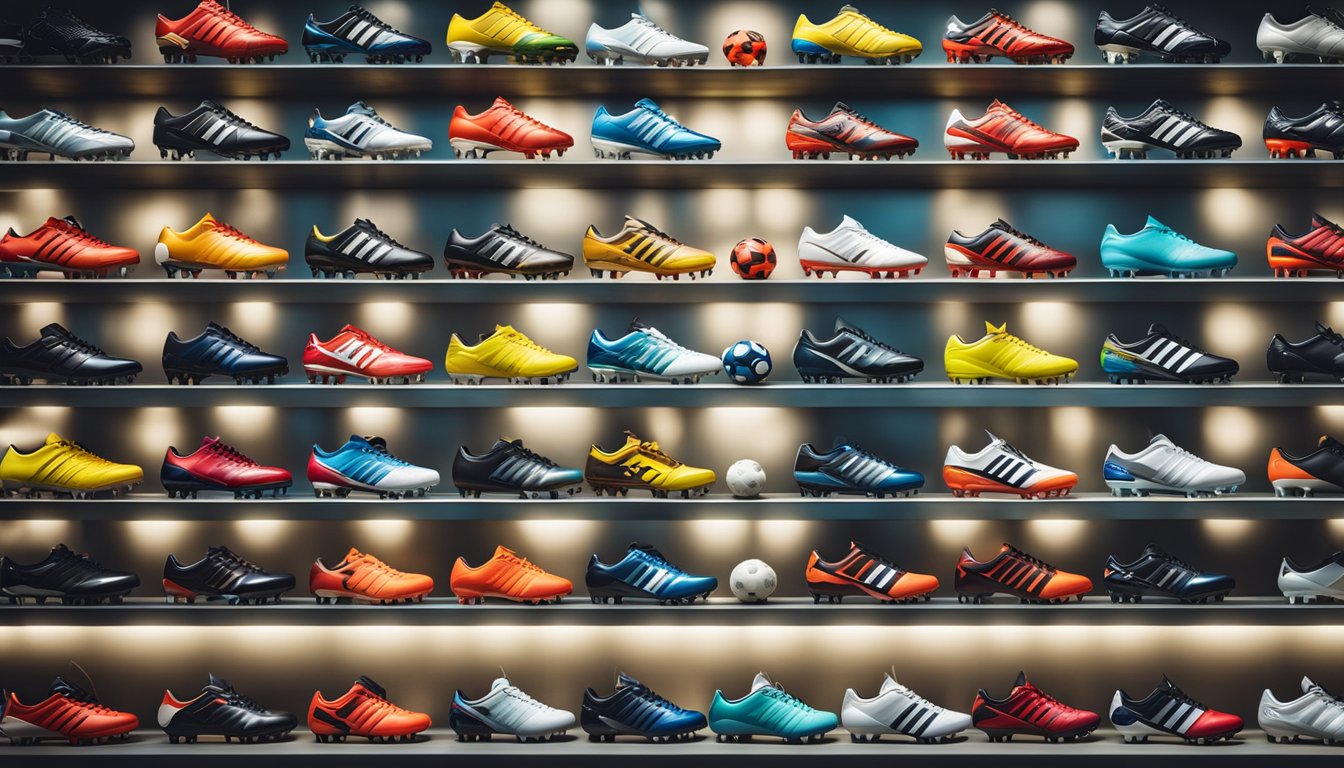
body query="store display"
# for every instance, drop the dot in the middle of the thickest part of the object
(507, 576)
(220, 710)
(356, 352)
(1159, 32)
(847, 469)
(501, 249)
(1316, 714)
(60, 356)
(1169, 711)
(753, 581)
(1161, 355)
(1157, 573)
(745, 48)
(1319, 355)
(753, 259)
(1029, 711)
(852, 353)
(746, 362)
(648, 130)
(1001, 355)
(360, 133)
(635, 710)
(1319, 249)
(998, 34)
(56, 134)
(59, 32)
(68, 713)
(362, 578)
(212, 30)
(645, 352)
(211, 127)
(212, 244)
(509, 467)
(503, 127)
(1321, 129)
(217, 351)
(853, 34)
(1002, 129)
(365, 464)
(641, 247)
(357, 32)
(363, 248)
(844, 131)
(745, 479)
(63, 246)
(645, 574)
(1316, 37)
(506, 710)
(1004, 248)
(501, 31)
(865, 573)
(850, 247)
(1321, 471)
(218, 466)
(1001, 468)
(643, 42)
(1312, 583)
(1016, 573)
(897, 710)
(1164, 467)
(768, 711)
(363, 711)
(1157, 249)
(63, 467)
(223, 576)
(642, 465)
(1163, 126)
(74, 579)
(506, 354)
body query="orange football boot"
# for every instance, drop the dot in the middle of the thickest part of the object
(863, 572)
(504, 127)
(1014, 572)
(508, 576)
(363, 711)
(1003, 129)
(62, 245)
(363, 578)
(69, 712)
(213, 30)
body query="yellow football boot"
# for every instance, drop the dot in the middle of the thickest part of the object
(642, 247)
(643, 465)
(852, 34)
(1001, 355)
(501, 31)
(64, 467)
(506, 354)
(212, 244)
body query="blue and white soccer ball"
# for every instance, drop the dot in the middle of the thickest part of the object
(747, 362)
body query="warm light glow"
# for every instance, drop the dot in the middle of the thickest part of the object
(150, 430)
(1048, 324)
(722, 538)
(955, 534)
(562, 327)
(1336, 526)
(1238, 328)
(1228, 532)
(1329, 418)
(158, 536)
(28, 427)
(263, 536)
(1234, 429)
(538, 536)
(386, 320)
(1072, 430)
(36, 314)
(784, 539)
(253, 319)
(24, 533)
(1056, 533)
(1234, 213)
(373, 535)
(369, 420)
(240, 423)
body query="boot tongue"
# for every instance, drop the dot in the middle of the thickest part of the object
(841, 106)
(760, 681)
(60, 686)
(218, 683)
(1154, 223)
(54, 438)
(1324, 330)
(1308, 685)
(636, 326)
(842, 325)
(1160, 440)
(353, 554)
(1317, 220)
(625, 681)
(889, 684)
(1325, 442)
(56, 329)
(62, 551)
(850, 222)
(503, 103)
(1153, 549)
(360, 108)
(649, 104)
(1158, 329)
(1166, 684)
(631, 438)
(372, 687)
(994, 330)
(376, 442)
(72, 221)
(1021, 676)
(208, 441)
(1000, 224)
(635, 223)
(500, 682)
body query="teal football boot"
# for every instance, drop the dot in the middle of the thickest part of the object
(1159, 250)
(768, 711)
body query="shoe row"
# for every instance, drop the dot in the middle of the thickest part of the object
(644, 573)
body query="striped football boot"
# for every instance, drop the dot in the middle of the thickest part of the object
(998, 34)
(863, 572)
(645, 352)
(1168, 711)
(506, 354)
(365, 464)
(212, 29)
(1001, 468)
(361, 133)
(648, 130)
(64, 246)
(641, 247)
(56, 134)
(1157, 31)
(1014, 572)
(1320, 248)
(1163, 356)
(1004, 248)
(355, 352)
(1003, 129)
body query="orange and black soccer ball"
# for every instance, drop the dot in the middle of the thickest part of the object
(745, 48)
(753, 259)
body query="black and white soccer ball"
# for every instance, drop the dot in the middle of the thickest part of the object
(753, 581)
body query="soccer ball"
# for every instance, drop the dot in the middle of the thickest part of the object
(753, 259)
(745, 48)
(753, 581)
(747, 362)
(745, 479)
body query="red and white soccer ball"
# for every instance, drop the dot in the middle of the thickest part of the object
(745, 48)
(753, 259)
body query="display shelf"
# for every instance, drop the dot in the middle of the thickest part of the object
(665, 174)
(1105, 749)
(577, 610)
(929, 394)
(646, 290)
(450, 506)
(924, 79)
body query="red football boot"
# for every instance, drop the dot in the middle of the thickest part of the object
(1003, 129)
(1168, 711)
(218, 466)
(354, 352)
(844, 131)
(68, 713)
(1030, 711)
(1320, 248)
(504, 127)
(213, 30)
(1001, 248)
(998, 34)
(62, 245)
